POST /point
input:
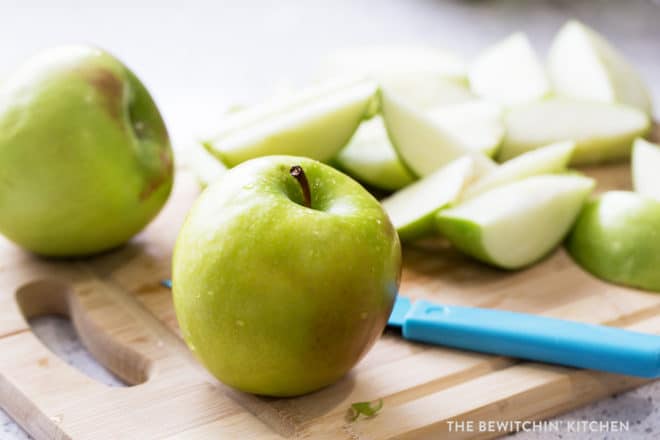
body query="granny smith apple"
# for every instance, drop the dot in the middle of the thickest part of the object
(646, 168)
(477, 124)
(85, 158)
(385, 63)
(583, 65)
(617, 238)
(370, 158)
(550, 159)
(316, 123)
(515, 225)
(602, 132)
(509, 72)
(412, 209)
(284, 275)
(423, 145)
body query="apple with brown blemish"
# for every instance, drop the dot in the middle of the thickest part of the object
(85, 157)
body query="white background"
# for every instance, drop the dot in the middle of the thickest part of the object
(200, 57)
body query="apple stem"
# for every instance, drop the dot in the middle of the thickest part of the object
(297, 172)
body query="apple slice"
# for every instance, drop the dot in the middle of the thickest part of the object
(388, 62)
(646, 168)
(553, 158)
(616, 238)
(477, 124)
(206, 167)
(602, 132)
(411, 209)
(370, 158)
(582, 64)
(315, 123)
(515, 225)
(423, 145)
(509, 72)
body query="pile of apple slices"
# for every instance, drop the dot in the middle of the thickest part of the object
(478, 153)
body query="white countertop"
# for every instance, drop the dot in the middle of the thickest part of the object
(200, 57)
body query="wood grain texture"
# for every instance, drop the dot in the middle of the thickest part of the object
(125, 318)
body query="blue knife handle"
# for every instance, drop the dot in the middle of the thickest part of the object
(535, 338)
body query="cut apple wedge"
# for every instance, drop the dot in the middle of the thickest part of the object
(423, 145)
(646, 168)
(370, 158)
(616, 238)
(509, 72)
(316, 123)
(515, 225)
(477, 124)
(412, 209)
(602, 132)
(582, 64)
(550, 159)
(388, 62)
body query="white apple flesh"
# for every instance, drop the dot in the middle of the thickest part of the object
(550, 159)
(509, 72)
(583, 65)
(370, 158)
(477, 124)
(423, 145)
(412, 209)
(646, 168)
(602, 132)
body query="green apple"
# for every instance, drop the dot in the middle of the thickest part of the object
(617, 238)
(412, 209)
(601, 131)
(386, 63)
(477, 124)
(646, 168)
(583, 65)
(550, 159)
(509, 72)
(315, 123)
(423, 145)
(206, 167)
(284, 275)
(85, 158)
(370, 158)
(515, 225)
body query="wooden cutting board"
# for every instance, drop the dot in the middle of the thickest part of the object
(125, 318)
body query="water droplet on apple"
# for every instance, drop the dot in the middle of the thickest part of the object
(240, 323)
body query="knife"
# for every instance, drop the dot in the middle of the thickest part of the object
(530, 337)
(526, 336)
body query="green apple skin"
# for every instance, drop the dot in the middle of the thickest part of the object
(276, 298)
(617, 238)
(85, 158)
